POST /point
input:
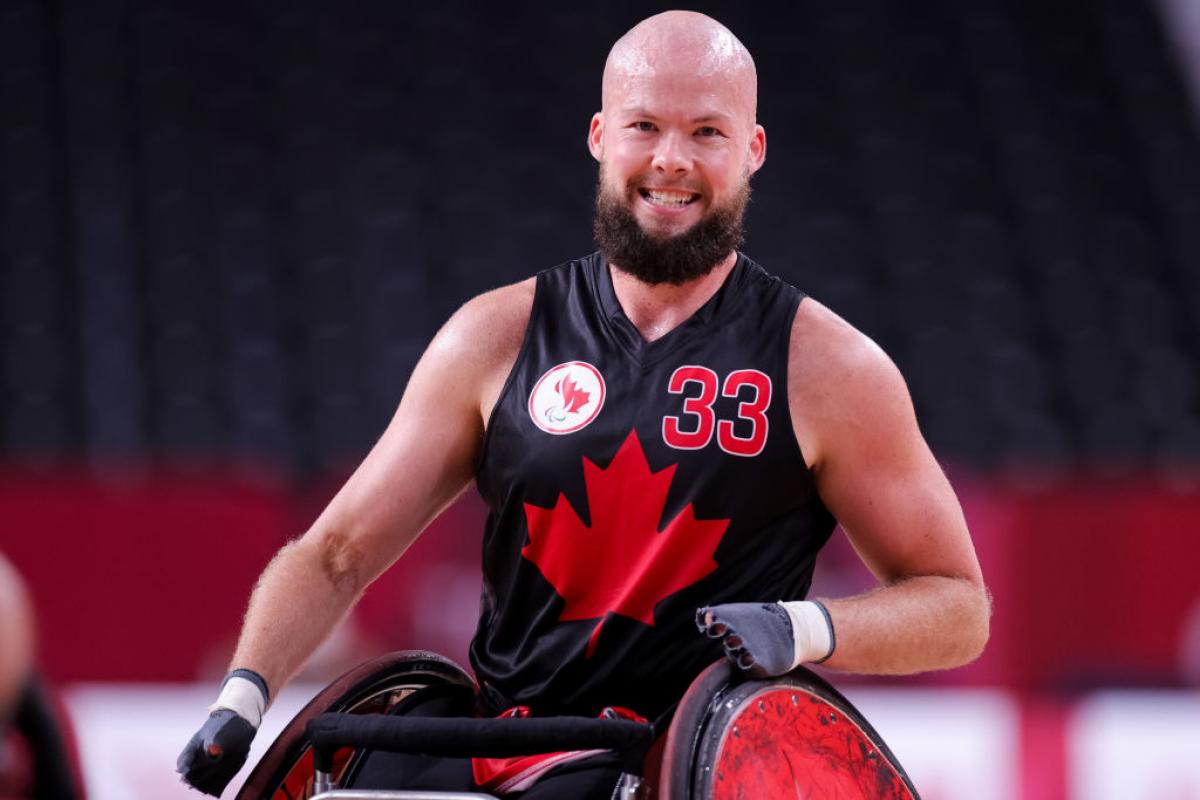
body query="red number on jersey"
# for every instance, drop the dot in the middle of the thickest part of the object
(753, 410)
(699, 407)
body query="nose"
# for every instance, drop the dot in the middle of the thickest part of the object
(671, 157)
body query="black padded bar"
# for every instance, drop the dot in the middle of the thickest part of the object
(487, 738)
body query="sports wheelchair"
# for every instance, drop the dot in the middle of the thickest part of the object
(729, 738)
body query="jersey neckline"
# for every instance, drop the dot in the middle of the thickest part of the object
(626, 334)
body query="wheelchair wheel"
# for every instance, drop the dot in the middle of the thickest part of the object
(793, 736)
(286, 769)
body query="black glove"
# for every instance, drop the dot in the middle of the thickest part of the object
(218, 750)
(757, 636)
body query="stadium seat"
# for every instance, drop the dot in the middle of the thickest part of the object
(992, 140)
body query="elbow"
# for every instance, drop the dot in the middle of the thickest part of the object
(342, 562)
(977, 623)
(328, 556)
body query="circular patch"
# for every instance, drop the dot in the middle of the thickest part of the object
(567, 398)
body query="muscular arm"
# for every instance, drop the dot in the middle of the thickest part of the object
(855, 423)
(424, 459)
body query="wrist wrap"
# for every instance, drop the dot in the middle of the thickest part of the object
(245, 693)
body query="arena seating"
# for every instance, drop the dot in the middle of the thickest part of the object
(227, 234)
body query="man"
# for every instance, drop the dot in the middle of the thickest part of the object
(664, 434)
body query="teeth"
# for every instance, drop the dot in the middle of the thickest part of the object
(668, 198)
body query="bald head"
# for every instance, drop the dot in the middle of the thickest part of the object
(681, 44)
(677, 141)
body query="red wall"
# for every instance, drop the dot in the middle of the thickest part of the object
(1102, 577)
(135, 579)
(147, 579)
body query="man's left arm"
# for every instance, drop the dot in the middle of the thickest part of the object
(853, 414)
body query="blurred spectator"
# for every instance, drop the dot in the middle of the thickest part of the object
(1189, 646)
(36, 760)
(16, 638)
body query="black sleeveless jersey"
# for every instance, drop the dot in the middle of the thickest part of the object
(630, 483)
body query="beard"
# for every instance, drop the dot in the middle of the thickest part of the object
(666, 259)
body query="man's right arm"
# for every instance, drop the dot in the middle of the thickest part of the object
(424, 459)
(422, 462)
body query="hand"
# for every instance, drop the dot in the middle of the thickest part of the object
(216, 752)
(757, 637)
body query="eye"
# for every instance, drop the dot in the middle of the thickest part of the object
(708, 131)
(644, 126)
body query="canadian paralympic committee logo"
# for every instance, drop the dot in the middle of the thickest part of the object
(567, 398)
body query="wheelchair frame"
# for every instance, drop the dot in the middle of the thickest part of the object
(722, 720)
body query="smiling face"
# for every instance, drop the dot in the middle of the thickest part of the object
(676, 138)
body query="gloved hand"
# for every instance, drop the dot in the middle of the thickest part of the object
(769, 639)
(218, 750)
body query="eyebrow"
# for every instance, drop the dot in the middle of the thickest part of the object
(715, 117)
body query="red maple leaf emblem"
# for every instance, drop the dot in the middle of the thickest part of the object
(623, 563)
(573, 397)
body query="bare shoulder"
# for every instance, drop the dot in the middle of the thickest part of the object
(483, 338)
(839, 378)
(491, 324)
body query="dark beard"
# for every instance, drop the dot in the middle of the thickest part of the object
(673, 259)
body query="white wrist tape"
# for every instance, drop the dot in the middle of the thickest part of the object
(243, 698)
(812, 631)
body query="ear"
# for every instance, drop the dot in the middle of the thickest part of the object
(595, 137)
(758, 148)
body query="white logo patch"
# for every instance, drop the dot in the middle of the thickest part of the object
(567, 398)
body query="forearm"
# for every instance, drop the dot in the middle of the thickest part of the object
(298, 601)
(914, 625)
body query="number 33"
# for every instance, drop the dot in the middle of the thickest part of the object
(704, 420)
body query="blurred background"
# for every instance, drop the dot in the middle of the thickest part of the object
(228, 230)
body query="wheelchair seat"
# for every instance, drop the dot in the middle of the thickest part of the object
(729, 738)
